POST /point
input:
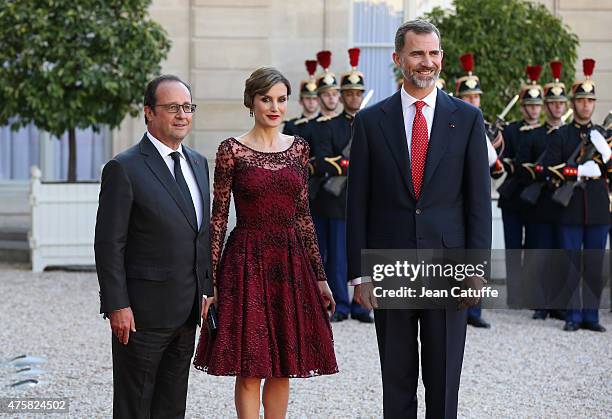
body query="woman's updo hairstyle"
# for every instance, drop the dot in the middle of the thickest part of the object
(260, 81)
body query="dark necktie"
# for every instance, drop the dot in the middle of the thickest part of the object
(418, 147)
(182, 184)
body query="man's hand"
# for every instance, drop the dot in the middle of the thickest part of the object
(122, 323)
(207, 302)
(364, 295)
(328, 298)
(475, 283)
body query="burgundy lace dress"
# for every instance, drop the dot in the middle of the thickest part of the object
(272, 318)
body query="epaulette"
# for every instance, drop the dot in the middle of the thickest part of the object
(552, 129)
(301, 121)
(529, 127)
(324, 118)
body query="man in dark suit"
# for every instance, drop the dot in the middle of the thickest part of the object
(418, 179)
(152, 251)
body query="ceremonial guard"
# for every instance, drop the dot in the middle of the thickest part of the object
(579, 157)
(467, 88)
(330, 165)
(542, 212)
(509, 201)
(328, 95)
(308, 100)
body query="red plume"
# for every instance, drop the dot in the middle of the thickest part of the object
(588, 65)
(311, 66)
(534, 71)
(555, 69)
(324, 59)
(354, 57)
(467, 61)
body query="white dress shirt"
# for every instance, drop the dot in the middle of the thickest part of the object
(491, 153)
(165, 152)
(409, 111)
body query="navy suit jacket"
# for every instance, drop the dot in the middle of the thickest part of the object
(454, 209)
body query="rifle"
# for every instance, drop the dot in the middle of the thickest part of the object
(532, 193)
(563, 195)
(500, 122)
(510, 185)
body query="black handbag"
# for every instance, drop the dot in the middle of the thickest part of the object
(212, 320)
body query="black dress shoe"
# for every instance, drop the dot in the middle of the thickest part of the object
(571, 326)
(339, 317)
(363, 317)
(557, 314)
(478, 322)
(594, 327)
(540, 315)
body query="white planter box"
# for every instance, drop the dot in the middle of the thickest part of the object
(63, 222)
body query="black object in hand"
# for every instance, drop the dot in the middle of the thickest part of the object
(211, 319)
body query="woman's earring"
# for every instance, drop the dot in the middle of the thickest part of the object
(251, 113)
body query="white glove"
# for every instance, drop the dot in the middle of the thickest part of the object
(589, 169)
(491, 153)
(601, 145)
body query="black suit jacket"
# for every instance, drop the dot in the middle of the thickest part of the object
(149, 255)
(454, 209)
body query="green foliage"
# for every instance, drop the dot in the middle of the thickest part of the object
(76, 64)
(504, 36)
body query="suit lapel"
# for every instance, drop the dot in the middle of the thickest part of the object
(159, 168)
(394, 131)
(441, 134)
(201, 180)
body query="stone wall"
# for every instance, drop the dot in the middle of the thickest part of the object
(216, 44)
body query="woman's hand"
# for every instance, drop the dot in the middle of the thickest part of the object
(207, 302)
(327, 296)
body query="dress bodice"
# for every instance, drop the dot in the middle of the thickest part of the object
(270, 193)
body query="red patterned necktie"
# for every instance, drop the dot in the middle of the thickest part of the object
(418, 147)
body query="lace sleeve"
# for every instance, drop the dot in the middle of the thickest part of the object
(224, 173)
(304, 221)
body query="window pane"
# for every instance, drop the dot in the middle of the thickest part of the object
(19, 150)
(375, 21)
(374, 26)
(376, 65)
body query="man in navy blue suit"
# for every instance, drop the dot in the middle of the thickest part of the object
(419, 179)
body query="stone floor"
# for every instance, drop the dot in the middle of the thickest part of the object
(519, 368)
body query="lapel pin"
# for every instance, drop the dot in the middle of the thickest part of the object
(451, 125)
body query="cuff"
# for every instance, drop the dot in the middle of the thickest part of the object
(360, 280)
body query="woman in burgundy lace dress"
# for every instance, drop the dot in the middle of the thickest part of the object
(272, 296)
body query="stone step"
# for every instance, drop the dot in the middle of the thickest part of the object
(13, 235)
(14, 246)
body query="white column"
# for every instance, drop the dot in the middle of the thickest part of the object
(47, 155)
